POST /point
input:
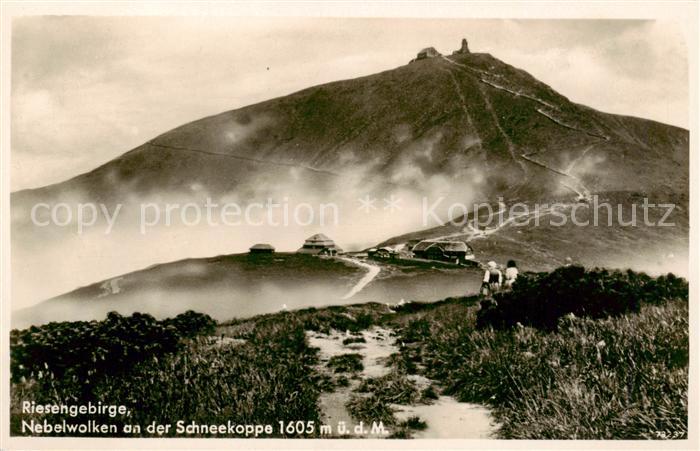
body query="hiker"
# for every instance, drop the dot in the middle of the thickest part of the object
(492, 279)
(511, 273)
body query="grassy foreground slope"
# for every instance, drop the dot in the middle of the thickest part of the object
(615, 378)
(613, 370)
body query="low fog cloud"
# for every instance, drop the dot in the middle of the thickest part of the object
(70, 255)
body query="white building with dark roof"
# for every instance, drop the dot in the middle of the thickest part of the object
(319, 244)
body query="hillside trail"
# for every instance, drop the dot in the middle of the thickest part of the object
(580, 190)
(372, 271)
(445, 417)
(472, 231)
(578, 159)
(548, 110)
(240, 157)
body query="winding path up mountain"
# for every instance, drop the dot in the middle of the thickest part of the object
(497, 86)
(572, 127)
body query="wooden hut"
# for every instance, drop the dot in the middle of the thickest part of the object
(262, 248)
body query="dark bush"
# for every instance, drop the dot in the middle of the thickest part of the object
(540, 299)
(191, 323)
(81, 353)
(267, 378)
(415, 307)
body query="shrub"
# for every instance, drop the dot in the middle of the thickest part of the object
(342, 381)
(83, 352)
(540, 299)
(266, 379)
(338, 318)
(191, 324)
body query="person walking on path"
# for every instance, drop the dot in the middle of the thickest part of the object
(493, 278)
(511, 273)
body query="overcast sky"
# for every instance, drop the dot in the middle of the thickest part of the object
(87, 89)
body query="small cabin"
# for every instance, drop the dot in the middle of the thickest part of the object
(428, 52)
(319, 244)
(261, 248)
(383, 252)
(444, 250)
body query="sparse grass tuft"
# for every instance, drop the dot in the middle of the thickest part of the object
(342, 381)
(429, 394)
(351, 340)
(400, 433)
(370, 408)
(346, 363)
(393, 388)
(415, 423)
(404, 429)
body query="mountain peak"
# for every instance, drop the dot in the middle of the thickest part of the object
(430, 52)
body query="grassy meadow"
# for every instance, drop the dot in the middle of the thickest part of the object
(608, 360)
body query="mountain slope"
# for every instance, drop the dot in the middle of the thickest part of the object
(471, 110)
(466, 127)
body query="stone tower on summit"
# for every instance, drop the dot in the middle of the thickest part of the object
(463, 49)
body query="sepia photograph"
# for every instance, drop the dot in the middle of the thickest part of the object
(313, 225)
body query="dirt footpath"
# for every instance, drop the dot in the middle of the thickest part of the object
(445, 416)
